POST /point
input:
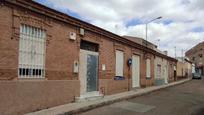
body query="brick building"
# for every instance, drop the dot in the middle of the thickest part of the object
(184, 68)
(196, 56)
(164, 70)
(49, 58)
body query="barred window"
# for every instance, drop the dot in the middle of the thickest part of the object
(31, 52)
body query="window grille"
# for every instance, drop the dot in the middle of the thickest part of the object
(31, 52)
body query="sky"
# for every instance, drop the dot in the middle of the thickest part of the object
(181, 25)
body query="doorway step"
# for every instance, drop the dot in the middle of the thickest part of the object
(89, 96)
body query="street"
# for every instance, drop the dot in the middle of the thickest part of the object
(184, 99)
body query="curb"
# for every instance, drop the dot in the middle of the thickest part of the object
(104, 102)
(121, 99)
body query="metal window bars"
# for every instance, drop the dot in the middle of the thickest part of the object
(31, 52)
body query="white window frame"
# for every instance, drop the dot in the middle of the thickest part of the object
(119, 63)
(32, 46)
(148, 68)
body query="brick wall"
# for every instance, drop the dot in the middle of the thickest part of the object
(8, 46)
(18, 97)
(146, 82)
(25, 95)
(60, 51)
(171, 71)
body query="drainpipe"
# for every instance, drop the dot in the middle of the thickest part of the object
(129, 63)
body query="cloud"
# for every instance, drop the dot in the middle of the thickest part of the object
(181, 26)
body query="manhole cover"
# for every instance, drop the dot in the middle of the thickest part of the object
(187, 92)
(198, 111)
(136, 107)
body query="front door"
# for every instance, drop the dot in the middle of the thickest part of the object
(135, 71)
(92, 72)
(88, 73)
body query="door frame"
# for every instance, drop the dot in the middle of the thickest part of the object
(82, 77)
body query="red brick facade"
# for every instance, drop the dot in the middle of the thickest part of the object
(61, 52)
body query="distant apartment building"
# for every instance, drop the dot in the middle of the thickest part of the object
(196, 56)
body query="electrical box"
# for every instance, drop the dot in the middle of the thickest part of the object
(174, 67)
(72, 36)
(76, 67)
(129, 62)
(81, 32)
(103, 67)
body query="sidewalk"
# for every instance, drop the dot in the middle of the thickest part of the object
(73, 108)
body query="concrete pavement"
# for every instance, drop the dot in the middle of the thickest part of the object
(74, 108)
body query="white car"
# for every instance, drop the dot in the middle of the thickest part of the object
(196, 76)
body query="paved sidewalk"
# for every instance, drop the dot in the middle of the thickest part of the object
(73, 108)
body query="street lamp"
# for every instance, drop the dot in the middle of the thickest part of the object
(158, 40)
(175, 51)
(148, 23)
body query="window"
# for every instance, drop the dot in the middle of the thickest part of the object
(85, 45)
(148, 68)
(200, 55)
(119, 63)
(31, 52)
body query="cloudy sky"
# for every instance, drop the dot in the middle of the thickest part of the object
(181, 25)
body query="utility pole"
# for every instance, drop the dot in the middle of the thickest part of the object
(175, 51)
(116, 29)
(146, 33)
(182, 55)
(146, 27)
(157, 42)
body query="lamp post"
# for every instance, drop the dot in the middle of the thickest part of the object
(148, 23)
(158, 40)
(175, 51)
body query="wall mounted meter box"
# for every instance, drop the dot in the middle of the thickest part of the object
(76, 67)
(81, 31)
(103, 67)
(72, 35)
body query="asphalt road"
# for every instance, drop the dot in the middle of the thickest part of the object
(184, 99)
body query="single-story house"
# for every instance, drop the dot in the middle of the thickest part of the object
(49, 58)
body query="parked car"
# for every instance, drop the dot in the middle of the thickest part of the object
(196, 76)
